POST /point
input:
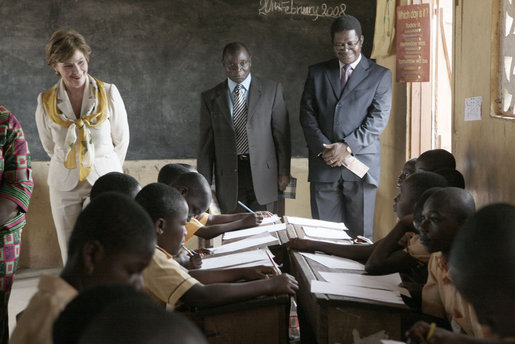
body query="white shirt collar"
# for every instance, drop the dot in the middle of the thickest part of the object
(352, 65)
(245, 83)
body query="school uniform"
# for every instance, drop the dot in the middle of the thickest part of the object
(194, 225)
(36, 323)
(440, 298)
(166, 281)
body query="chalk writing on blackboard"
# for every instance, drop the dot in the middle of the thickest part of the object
(268, 7)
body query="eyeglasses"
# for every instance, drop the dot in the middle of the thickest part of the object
(242, 65)
(348, 45)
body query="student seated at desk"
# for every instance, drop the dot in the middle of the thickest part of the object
(113, 241)
(168, 283)
(444, 212)
(482, 266)
(388, 255)
(197, 192)
(407, 170)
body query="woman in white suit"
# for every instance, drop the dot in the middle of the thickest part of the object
(82, 124)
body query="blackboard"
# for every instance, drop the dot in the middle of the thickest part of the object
(162, 54)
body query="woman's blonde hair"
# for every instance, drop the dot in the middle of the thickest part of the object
(63, 44)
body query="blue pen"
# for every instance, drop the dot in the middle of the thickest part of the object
(245, 207)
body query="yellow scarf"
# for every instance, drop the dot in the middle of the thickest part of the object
(85, 142)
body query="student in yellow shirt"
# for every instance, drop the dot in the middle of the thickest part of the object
(202, 224)
(482, 266)
(169, 283)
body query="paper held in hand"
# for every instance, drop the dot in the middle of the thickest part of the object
(355, 166)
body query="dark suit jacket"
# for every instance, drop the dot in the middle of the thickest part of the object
(358, 116)
(268, 131)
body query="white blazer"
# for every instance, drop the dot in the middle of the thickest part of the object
(111, 138)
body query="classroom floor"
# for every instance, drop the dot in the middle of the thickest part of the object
(25, 285)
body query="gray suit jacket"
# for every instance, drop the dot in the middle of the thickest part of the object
(268, 131)
(357, 116)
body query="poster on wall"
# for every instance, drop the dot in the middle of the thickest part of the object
(413, 42)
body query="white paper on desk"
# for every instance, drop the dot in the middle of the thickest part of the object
(336, 242)
(355, 166)
(232, 260)
(302, 221)
(324, 233)
(271, 219)
(253, 241)
(253, 231)
(389, 341)
(266, 262)
(385, 282)
(334, 262)
(321, 287)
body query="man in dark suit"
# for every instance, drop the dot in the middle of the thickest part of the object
(244, 136)
(344, 108)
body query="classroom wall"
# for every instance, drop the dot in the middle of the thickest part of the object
(483, 149)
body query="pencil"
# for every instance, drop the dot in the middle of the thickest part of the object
(189, 252)
(245, 207)
(276, 268)
(431, 331)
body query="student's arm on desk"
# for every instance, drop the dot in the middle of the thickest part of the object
(219, 224)
(231, 275)
(388, 256)
(223, 293)
(354, 252)
(419, 332)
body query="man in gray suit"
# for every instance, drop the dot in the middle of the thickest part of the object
(344, 108)
(244, 136)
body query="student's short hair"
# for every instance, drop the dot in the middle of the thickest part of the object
(459, 202)
(345, 23)
(82, 310)
(63, 44)
(195, 182)
(453, 177)
(234, 47)
(436, 159)
(421, 181)
(114, 220)
(160, 200)
(134, 321)
(114, 181)
(169, 173)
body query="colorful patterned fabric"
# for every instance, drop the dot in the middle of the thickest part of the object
(16, 185)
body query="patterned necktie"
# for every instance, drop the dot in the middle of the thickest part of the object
(345, 75)
(240, 121)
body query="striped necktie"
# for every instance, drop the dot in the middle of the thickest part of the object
(240, 121)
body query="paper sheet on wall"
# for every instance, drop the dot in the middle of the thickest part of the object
(473, 108)
(334, 262)
(236, 259)
(302, 221)
(324, 233)
(385, 282)
(253, 241)
(242, 233)
(321, 287)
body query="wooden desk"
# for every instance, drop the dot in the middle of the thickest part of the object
(334, 318)
(261, 320)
